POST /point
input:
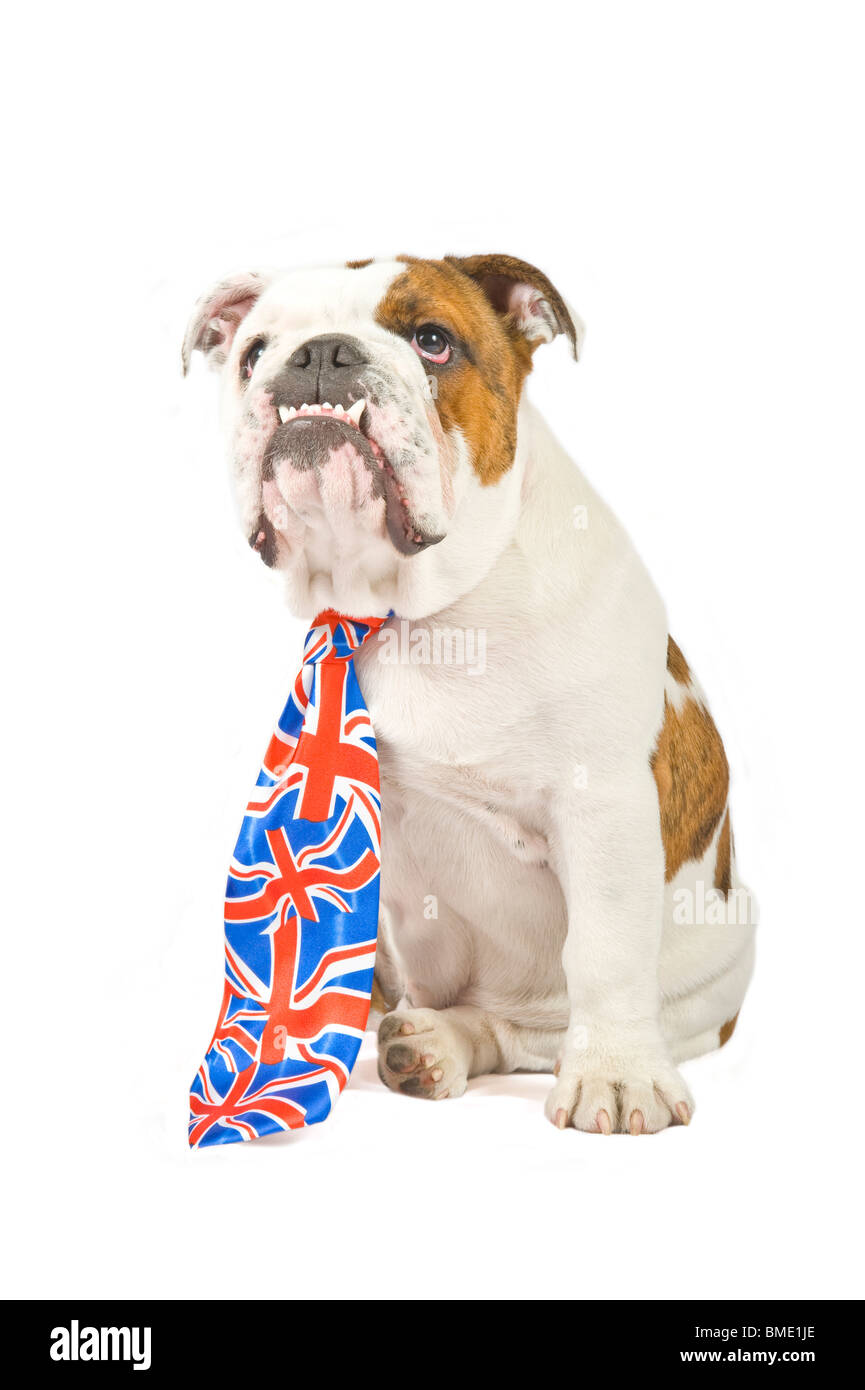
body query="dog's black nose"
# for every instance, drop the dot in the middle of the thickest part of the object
(328, 351)
(326, 368)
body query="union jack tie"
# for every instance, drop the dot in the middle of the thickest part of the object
(301, 909)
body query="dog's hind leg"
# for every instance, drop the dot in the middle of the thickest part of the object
(432, 1052)
(707, 952)
(704, 1019)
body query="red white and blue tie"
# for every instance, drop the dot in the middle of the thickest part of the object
(301, 909)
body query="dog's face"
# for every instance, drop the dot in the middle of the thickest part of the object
(364, 403)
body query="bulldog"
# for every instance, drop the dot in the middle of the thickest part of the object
(559, 888)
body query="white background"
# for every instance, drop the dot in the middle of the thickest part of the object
(690, 176)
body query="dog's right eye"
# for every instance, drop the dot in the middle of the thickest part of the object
(250, 357)
(431, 342)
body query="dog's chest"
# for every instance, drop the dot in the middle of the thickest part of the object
(457, 710)
(464, 737)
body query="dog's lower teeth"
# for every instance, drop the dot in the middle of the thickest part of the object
(352, 413)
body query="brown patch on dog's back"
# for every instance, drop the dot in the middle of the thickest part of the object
(676, 663)
(727, 1029)
(691, 774)
(479, 390)
(358, 265)
(723, 858)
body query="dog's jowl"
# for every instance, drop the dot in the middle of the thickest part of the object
(559, 887)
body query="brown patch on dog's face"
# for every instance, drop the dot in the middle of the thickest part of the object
(676, 663)
(692, 777)
(723, 859)
(478, 389)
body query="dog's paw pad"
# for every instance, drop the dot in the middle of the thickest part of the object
(421, 1059)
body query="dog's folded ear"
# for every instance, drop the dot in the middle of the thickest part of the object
(218, 315)
(523, 294)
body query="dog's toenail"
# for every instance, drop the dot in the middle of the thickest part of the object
(407, 1028)
(636, 1125)
(604, 1122)
(561, 1119)
(683, 1113)
(427, 1059)
(437, 1074)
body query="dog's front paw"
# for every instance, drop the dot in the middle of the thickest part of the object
(637, 1093)
(421, 1054)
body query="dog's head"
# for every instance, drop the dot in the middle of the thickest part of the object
(364, 405)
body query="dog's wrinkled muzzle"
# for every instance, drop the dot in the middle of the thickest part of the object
(321, 465)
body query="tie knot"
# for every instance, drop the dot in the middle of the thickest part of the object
(334, 637)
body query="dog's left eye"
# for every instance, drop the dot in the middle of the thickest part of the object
(251, 356)
(431, 342)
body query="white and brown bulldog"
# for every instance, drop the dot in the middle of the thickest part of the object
(559, 889)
